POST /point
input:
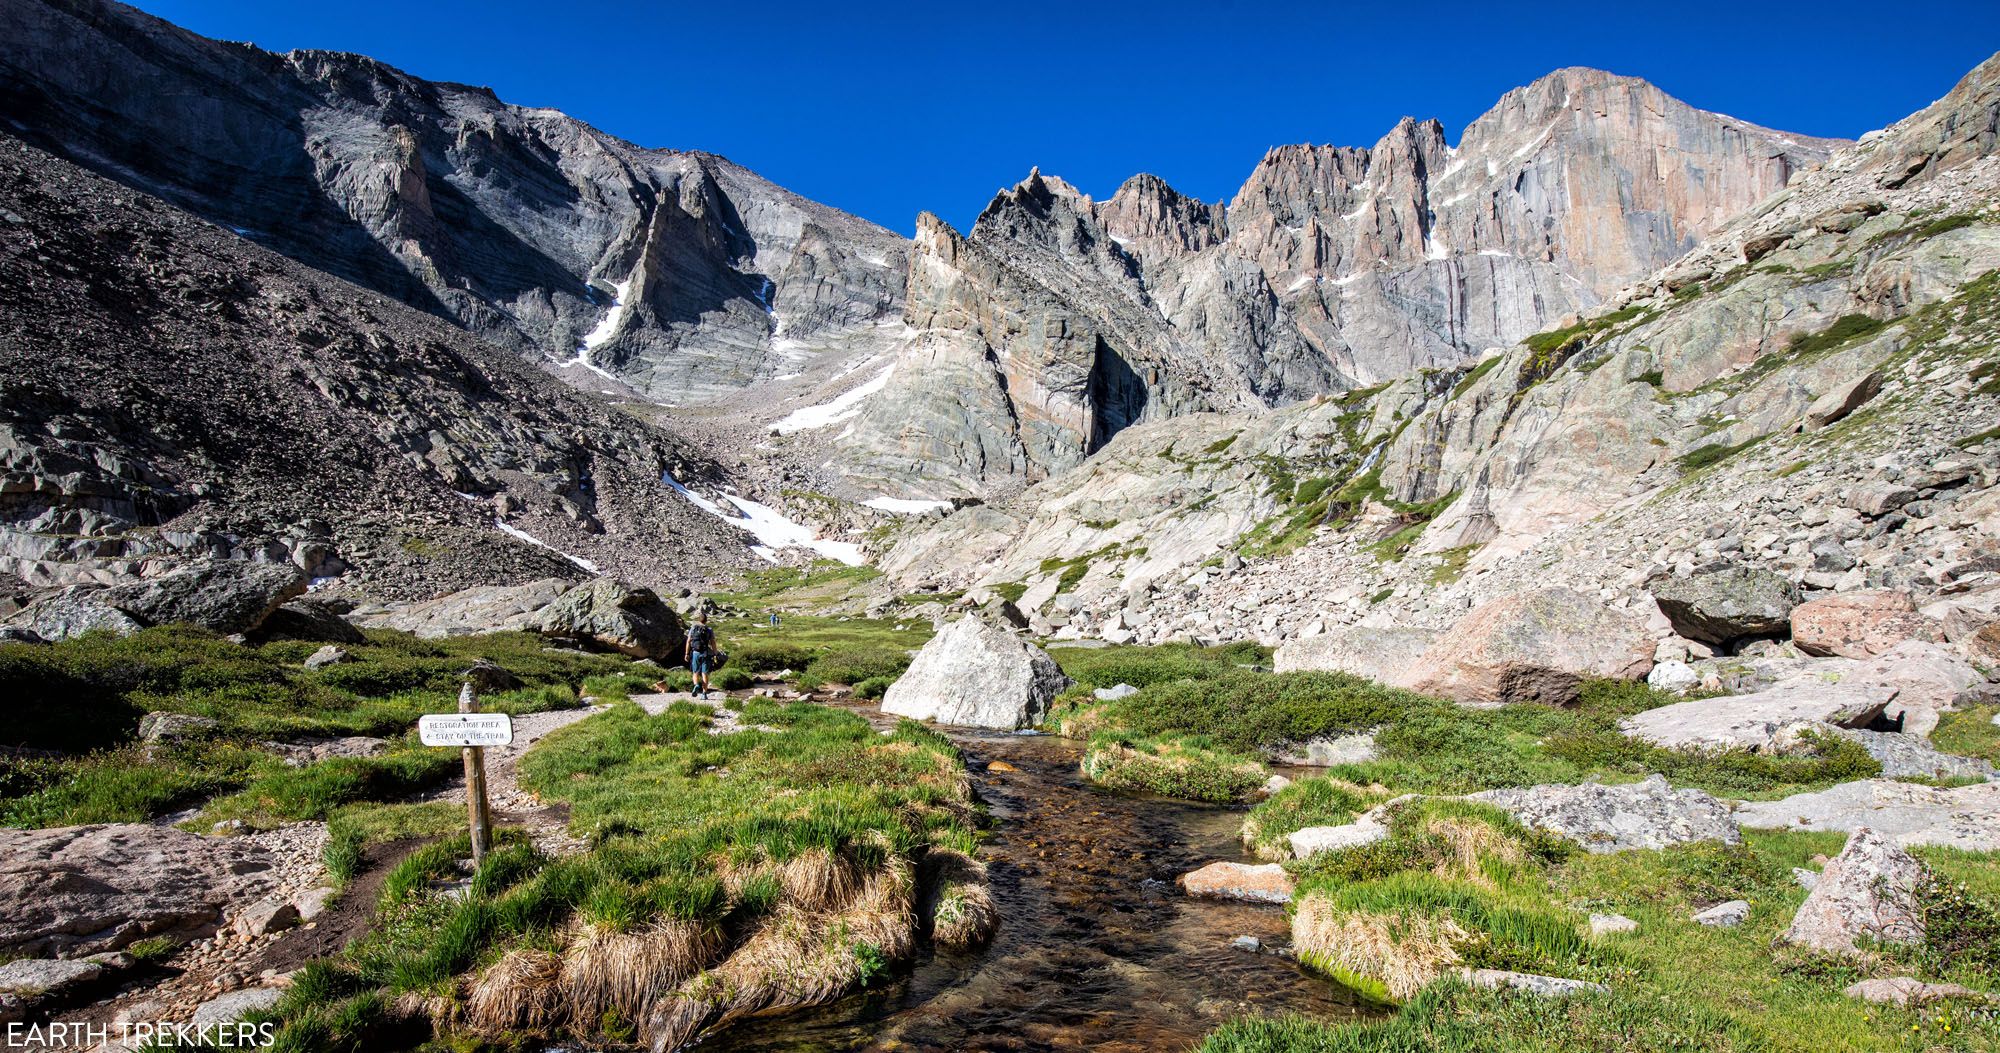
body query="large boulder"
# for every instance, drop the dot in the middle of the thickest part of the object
(481, 609)
(1869, 890)
(976, 675)
(1725, 602)
(1764, 722)
(614, 615)
(1534, 647)
(224, 595)
(1925, 678)
(1965, 817)
(1859, 624)
(312, 620)
(77, 890)
(1380, 653)
(72, 612)
(1648, 814)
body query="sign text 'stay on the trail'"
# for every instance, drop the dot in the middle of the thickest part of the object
(465, 729)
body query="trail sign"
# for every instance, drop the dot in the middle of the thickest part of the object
(465, 729)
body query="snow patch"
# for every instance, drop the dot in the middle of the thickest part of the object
(608, 325)
(1536, 142)
(771, 529)
(905, 506)
(839, 409)
(517, 533)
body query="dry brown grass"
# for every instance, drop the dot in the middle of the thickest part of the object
(1397, 953)
(1469, 846)
(797, 957)
(524, 989)
(818, 880)
(628, 971)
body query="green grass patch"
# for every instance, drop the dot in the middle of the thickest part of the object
(1714, 453)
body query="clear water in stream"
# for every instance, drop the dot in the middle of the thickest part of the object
(1096, 949)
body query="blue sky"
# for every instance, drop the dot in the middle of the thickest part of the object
(886, 109)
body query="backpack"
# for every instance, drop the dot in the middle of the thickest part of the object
(701, 638)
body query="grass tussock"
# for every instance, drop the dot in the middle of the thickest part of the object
(1173, 766)
(729, 875)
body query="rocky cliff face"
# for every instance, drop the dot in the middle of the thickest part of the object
(1333, 268)
(679, 274)
(1809, 391)
(170, 391)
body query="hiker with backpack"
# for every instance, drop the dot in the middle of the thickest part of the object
(701, 653)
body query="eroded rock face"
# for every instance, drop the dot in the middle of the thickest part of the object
(1764, 722)
(522, 225)
(1726, 603)
(1534, 647)
(1648, 814)
(1859, 624)
(1869, 890)
(612, 614)
(975, 675)
(81, 889)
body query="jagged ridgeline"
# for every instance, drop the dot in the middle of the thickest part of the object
(972, 362)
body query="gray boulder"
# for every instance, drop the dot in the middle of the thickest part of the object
(612, 614)
(1530, 983)
(1381, 653)
(80, 889)
(1725, 915)
(223, 595)
(1764, 722)
(976, 675)
(1913, 757)
(34, 977)
(229, 1008)
(1910, 991)
(1963, 817)
(1869, 890)
(70, 613)
(1726, 602)
(1325, 751)
(1649, 814)
(331, 654)
(174, 727)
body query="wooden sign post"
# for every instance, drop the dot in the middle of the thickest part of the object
(471, 731)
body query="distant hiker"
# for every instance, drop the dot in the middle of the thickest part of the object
(700, 651)
(774, 619)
